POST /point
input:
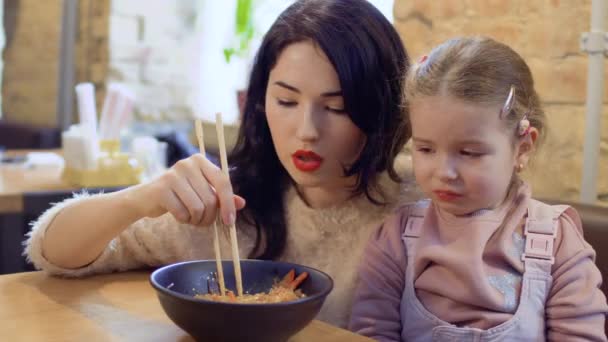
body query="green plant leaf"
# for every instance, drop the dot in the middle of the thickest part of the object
(244, 9)
(244, 30)
(228, 54)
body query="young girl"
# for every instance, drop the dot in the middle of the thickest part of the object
(482, 260)
(317, 143)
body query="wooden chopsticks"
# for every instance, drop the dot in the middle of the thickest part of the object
(236, 259)
(198, 126)
(233, 238)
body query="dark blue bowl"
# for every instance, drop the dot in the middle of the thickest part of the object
(205, 320)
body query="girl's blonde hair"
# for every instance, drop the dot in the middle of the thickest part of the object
(479, 70)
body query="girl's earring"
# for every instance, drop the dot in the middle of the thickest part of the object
(519, 167)
(524, 126)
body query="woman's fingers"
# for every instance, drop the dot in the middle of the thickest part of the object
(207, 196)
(189, 198)
(223, 189)
(174, 206)
(190, 172)
(239, 202)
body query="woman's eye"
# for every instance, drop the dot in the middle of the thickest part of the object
(286, 103)
(336, 110)
(424, 149)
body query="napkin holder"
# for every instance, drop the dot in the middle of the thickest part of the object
(113, 169)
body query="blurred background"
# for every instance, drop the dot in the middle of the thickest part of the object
(187, 59)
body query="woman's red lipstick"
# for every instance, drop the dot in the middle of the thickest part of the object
(445, 195)
(306, 161)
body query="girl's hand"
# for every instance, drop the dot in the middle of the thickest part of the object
(191, 190)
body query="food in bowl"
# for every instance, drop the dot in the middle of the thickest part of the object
(282, 291)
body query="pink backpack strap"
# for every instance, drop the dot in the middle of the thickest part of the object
(540, 231)
(413, 226)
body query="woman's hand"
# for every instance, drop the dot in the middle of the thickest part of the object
(191, 190)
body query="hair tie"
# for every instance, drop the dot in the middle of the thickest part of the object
(423, 59)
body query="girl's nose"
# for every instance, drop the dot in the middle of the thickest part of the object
(308, 127)
(447, 170)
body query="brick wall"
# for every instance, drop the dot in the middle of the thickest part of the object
(92, 60)
(29, 85)
(546, 33)
(152, 49)
(31, 57)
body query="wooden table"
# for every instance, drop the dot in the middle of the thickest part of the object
(25, 193)
(18, 184)
(15, 180)
(114, 307)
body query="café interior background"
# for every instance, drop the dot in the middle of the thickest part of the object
(171, 54)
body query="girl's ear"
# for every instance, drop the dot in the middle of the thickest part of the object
(525, 146)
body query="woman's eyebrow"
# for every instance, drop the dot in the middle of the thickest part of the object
(332, 93)
(287, 86)
(296, 90)
(421, 140)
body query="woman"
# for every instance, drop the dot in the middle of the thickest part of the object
(321, 130)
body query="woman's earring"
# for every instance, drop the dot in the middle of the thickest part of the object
(519, 167)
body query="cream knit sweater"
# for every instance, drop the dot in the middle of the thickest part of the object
(330, 239)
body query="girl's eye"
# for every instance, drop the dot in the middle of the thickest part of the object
(286, 103)
(472, 154)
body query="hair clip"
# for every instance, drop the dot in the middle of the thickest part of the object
(506, 108)
(423, 59)
(524, 126)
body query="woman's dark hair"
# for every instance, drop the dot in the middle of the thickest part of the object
(370, 60)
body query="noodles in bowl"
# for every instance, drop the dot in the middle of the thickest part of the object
(282, 291)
